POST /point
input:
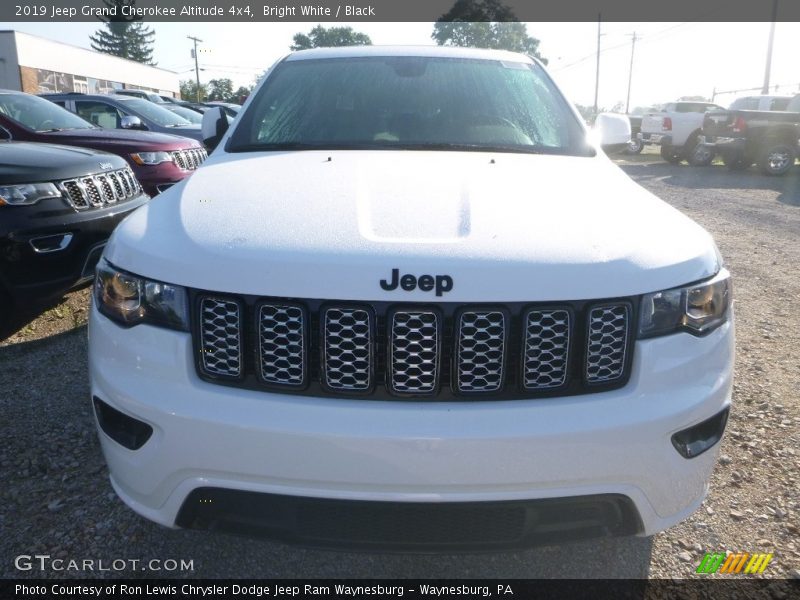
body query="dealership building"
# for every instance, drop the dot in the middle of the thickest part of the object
(37, 65)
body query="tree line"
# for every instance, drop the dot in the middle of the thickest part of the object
(471, 23)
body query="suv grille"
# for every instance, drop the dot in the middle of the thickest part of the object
(100, 190)
(189, 159)
(381, 350)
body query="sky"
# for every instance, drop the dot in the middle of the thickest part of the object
(670, 59)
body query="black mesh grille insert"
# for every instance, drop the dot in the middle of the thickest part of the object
(348, 348)
(608, 334)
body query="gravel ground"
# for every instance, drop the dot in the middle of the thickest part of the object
(56, 499)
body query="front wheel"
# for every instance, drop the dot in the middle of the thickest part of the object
(698, 154)
(777, 158)
(671, 155)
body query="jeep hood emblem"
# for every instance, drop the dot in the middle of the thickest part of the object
(426, 283)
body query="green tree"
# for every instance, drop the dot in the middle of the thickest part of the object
(220, 90)
(188, 88)
(240, 94)
(484, 24)
(126, 37)
(319, 37)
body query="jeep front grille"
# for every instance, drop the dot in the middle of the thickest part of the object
(189, 159)
(445, 351)
(96, 191)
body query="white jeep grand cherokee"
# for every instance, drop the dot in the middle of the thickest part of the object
(408, 302)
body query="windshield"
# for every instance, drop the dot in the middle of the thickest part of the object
(153, 112)
(409, 103)
(39, 114)
(187, 113)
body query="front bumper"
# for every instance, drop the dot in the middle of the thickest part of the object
(208, 436)
(46, 252)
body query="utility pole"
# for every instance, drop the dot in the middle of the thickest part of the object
(597, 72)
(196, 66)
(765, 89)
(630, 74)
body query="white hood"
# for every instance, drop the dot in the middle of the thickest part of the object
(332, 224)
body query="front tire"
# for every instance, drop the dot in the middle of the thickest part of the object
(777, 158)
(671, 155)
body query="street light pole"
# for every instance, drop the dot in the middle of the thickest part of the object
(196, 66)
(765, 88)
(630, 75)
(597, 71)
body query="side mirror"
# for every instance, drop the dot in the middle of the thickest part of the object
(613, 131)
(215, 124)
(131, 122)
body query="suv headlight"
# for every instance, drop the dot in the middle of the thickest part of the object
(130, 300)
(27, 193)
(697, 309)
(151, 158)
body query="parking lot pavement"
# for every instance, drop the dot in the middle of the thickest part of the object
(56, 498)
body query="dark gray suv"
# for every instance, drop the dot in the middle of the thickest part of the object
(126, 112)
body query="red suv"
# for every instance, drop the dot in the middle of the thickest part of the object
(159, 160)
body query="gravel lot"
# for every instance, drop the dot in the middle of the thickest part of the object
(56, 499)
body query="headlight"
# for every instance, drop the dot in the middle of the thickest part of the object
(698, 308)
(27, 193)
(151, 158)
(131, 300)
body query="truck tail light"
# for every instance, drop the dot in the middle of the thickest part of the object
(739, 125)
(666, 124)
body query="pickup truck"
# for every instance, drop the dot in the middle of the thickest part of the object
(676, 129)
(767, 138)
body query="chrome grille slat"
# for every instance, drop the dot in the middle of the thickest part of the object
(607, 343)
(414, 348)
(92, 192)
(76, 194)
(118, 191)
(105, 187)
(220, 337)
(347, 348)
(281, 344)
(481, 348)
(545, 356)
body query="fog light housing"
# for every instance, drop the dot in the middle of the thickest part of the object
(698, 438)
(123, 429)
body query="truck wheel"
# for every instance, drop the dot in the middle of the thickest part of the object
(671, 155)
(698, 154)
(735, 162)
(777, 158)
(635, 146)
